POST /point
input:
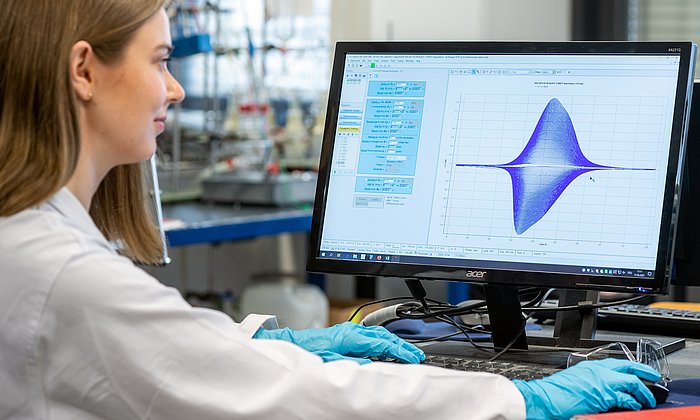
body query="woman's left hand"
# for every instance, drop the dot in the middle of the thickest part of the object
(348, 341)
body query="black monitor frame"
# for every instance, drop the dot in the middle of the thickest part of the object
(686, 271)
(503, 280)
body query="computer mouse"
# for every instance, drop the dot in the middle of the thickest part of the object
(658, 389)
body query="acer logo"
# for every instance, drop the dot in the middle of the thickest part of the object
(476, 274)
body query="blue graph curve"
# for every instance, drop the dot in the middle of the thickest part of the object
(550, 161)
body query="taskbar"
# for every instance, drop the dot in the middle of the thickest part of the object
(487, 264)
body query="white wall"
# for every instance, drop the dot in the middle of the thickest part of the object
(543, 20)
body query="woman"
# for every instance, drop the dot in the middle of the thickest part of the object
(84, 333)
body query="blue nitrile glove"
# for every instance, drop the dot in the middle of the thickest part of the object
(589, 387)
(348, 341)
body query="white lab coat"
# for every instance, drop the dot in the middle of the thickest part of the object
(85, 334)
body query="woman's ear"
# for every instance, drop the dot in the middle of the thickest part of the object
(82, 60)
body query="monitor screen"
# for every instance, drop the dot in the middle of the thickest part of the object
(551, 164)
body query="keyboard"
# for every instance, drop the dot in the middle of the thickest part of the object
(511, 370)
(650, 320)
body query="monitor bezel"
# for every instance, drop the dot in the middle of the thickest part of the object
(687, 253)
(659, 284)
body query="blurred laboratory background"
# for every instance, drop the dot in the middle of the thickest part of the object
(237, 165)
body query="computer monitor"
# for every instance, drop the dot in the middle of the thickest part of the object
(552, 164)
(686, 270)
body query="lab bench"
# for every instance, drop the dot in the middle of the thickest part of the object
(192, 223)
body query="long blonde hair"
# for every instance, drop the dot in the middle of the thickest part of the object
(39, 136)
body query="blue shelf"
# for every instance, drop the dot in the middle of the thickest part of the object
(199, 223)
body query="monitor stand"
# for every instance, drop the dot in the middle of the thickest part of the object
(572, 329)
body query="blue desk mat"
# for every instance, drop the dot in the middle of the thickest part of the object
(682, 392)
(418, 329)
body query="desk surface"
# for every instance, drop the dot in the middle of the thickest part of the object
(685, 363)
(191, 223)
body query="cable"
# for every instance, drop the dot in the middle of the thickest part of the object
(418, 292)
(407, 298)
(364, 305)
(537, 300)
(520, 332)
(429, 340)
(583, 305)
(409, 306)
(441, 311)
(463, 330)
(452, 310)
(560, 308)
